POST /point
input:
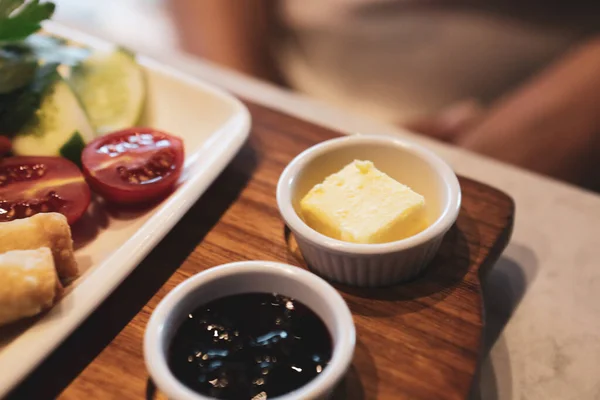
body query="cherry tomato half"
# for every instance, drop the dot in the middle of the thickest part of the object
(5, 145)
(32, 185)
(136, 165)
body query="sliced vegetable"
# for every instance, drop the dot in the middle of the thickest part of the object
(18, 107)
(17, 68)
(112, 89)
(5, 145)
(54, 123)
(136, 165)
(32, 185)
(51, 49)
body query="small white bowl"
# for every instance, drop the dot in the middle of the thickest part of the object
(371, 264)
(250, 277)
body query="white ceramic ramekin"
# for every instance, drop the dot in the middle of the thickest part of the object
(251, 277)
(371, 264)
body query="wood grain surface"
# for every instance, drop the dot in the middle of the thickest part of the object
(420, 340)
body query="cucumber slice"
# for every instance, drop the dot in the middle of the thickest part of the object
(17, 68)
(18, 106)
(112, 89)
(52, 126)
(51, 49)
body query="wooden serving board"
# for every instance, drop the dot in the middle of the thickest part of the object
(420, 340)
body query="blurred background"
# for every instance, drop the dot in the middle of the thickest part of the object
(143, 24)
(517, 80)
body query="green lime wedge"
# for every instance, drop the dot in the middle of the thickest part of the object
(111, 87)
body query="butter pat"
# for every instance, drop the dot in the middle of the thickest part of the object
(361, 204)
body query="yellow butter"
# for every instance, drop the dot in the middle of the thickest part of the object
(361, 204)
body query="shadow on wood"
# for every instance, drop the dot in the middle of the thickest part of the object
(444, 273)
(354, 384)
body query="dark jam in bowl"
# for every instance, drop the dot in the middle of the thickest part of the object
(250, 346)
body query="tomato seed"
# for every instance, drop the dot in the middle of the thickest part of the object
(159, 165)
(20, 173)
(52, 202)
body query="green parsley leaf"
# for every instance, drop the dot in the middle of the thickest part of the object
(18, 22)
(73, 148)
(8, 6)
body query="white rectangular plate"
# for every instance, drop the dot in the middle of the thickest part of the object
(214, 125)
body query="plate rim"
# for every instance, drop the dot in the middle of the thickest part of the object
(220, 147)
